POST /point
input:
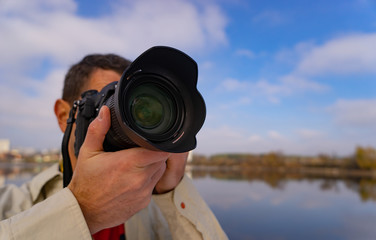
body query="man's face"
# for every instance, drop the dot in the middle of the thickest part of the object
(98, 79)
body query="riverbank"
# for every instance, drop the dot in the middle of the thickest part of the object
(331, 172)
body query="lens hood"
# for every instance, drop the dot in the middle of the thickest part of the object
(176, 72)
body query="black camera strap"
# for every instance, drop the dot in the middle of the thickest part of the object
(67, 166)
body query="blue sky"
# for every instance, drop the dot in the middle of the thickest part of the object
(291, 76)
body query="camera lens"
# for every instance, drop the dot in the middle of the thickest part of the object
(147, 111)
(152, 108)
(155, 104)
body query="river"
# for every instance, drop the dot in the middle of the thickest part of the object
(273, 206)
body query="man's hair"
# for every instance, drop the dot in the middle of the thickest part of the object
(78, 75)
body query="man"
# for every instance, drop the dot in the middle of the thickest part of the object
(107, 189)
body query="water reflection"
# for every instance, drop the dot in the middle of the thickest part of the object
(365, 186)
(19, 172)
(272, 204)
(278, 205)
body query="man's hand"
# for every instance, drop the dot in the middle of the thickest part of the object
(112, 186)
(174, 172)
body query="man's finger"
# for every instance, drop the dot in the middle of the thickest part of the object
(146, 157)
(97, 131)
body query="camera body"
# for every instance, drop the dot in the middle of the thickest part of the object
(87, 110)
(155, 104)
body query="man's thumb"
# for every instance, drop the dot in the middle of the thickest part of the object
(97, 131)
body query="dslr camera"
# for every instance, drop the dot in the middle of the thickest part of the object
(155, 105)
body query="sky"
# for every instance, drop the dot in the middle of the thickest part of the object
(297, 77)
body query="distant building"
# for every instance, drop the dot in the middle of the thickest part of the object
(4, 146)
(190, 157)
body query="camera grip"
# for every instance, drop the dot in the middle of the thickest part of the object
(85, 115)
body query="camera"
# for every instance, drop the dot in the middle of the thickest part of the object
(155, 104)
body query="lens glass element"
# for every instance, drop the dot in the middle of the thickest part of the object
(147, 111)
(152, 108)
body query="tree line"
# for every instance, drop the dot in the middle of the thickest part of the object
(363, 158)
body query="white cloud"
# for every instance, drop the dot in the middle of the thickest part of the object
(245, 53)
(284, 86)
(274, 135)
(224, 139)
(347, 54)
(34, 33)
(255, 138)
(343, 55)
(294, 55)
(206, 65)
(31, 110)
(241, 102)
(359, 113)
(231, 84)
(300, 84)
(270, 17)
(351, 54)
(309, 133)
(271, 89)
(302, 141)
(28, 119)
(28, 8)
(42, 29)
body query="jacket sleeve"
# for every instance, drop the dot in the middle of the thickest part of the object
(57, 217)
(14, 199)
(41, 209)
(187, 214)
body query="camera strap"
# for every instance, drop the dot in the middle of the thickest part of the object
(67, 166)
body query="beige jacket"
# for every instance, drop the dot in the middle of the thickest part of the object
(41, 209)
